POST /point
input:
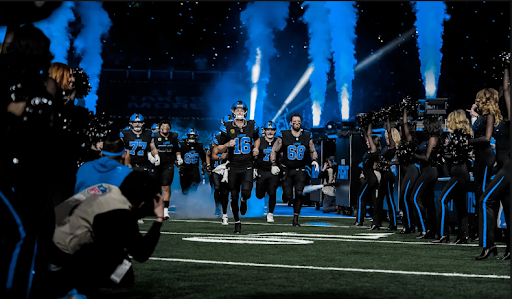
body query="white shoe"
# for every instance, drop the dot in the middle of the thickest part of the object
(225, 219)
(270, 217)
(140, 221)
(166, 213)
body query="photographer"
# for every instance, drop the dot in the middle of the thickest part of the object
(328, 176)
(96, 232)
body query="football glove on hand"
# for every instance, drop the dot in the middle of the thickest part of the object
(151, 158)
(275, 170)
(179, 160)
(157, 160)
(315, 165)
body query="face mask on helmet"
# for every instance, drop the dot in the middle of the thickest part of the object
(270, 133)
(137, 126)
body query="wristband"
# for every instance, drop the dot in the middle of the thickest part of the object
(160, 217)
(274, 164)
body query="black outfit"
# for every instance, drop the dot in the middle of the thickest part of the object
(456, 190)
(26, 209)
(423, 190)
(139, 146)
(409, 172)
(221, 189)
(266, 183)
(240, 173)
(293, 165)
(368, 186)
(385, 188)
(484, 161)
(498, 189)
(189, 171)
(167, 149)
(116, 234)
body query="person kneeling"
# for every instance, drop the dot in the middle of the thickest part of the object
(96, 232)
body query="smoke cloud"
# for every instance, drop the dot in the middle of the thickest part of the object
(343, 19)
(430, 16)
(96, 23)
(261, 18)
(56, 28)
(316, 17)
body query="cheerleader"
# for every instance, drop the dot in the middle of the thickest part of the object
(423, 191)
(499, 188)
(367, 190)
(387, 180)
(409, 172)
(487, 102)
(457, 154)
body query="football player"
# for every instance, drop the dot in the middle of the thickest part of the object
(266, 182)
(294, 143)
(167, 149)
(241, 139)
(155, 128)
(137, 142)
(189, 170)
(221, 188)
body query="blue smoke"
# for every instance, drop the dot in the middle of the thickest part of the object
(343, 19)
(3, 31)
(96, 23)
(261, 19)
(55, 27)
(316, 17)
(430, 16)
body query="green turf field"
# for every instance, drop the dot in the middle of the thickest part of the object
(194, 260)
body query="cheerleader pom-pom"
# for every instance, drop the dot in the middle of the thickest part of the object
(362, 120)
(82, 85)
(405, 153)
(458, 150)
(409, 105)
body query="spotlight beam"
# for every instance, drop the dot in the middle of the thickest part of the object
(303, 80)
(360, 66)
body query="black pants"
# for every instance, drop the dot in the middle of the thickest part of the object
(164, 174)
(456, 190)
(411, 174)
(366, 194)
(239, 177)
(87, 270)
(385, 190)
(498, 190)
(221, 191)
(482, 172)
(27, 223)
(294, 178)
(423, 199)
(189, 179)
(267, 183)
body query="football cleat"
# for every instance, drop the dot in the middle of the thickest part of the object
(166, 213)
(217, 210)
(225, 220)
(238, 228)
(140, 221)
(270, 217)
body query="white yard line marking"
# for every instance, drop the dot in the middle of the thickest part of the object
(326, 239)
(249, 240)
(357, 236)
(331, 268)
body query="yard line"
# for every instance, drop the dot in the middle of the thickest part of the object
(331, 268)
(324, 239)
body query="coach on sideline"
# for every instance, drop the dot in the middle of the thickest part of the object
(92, 242)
